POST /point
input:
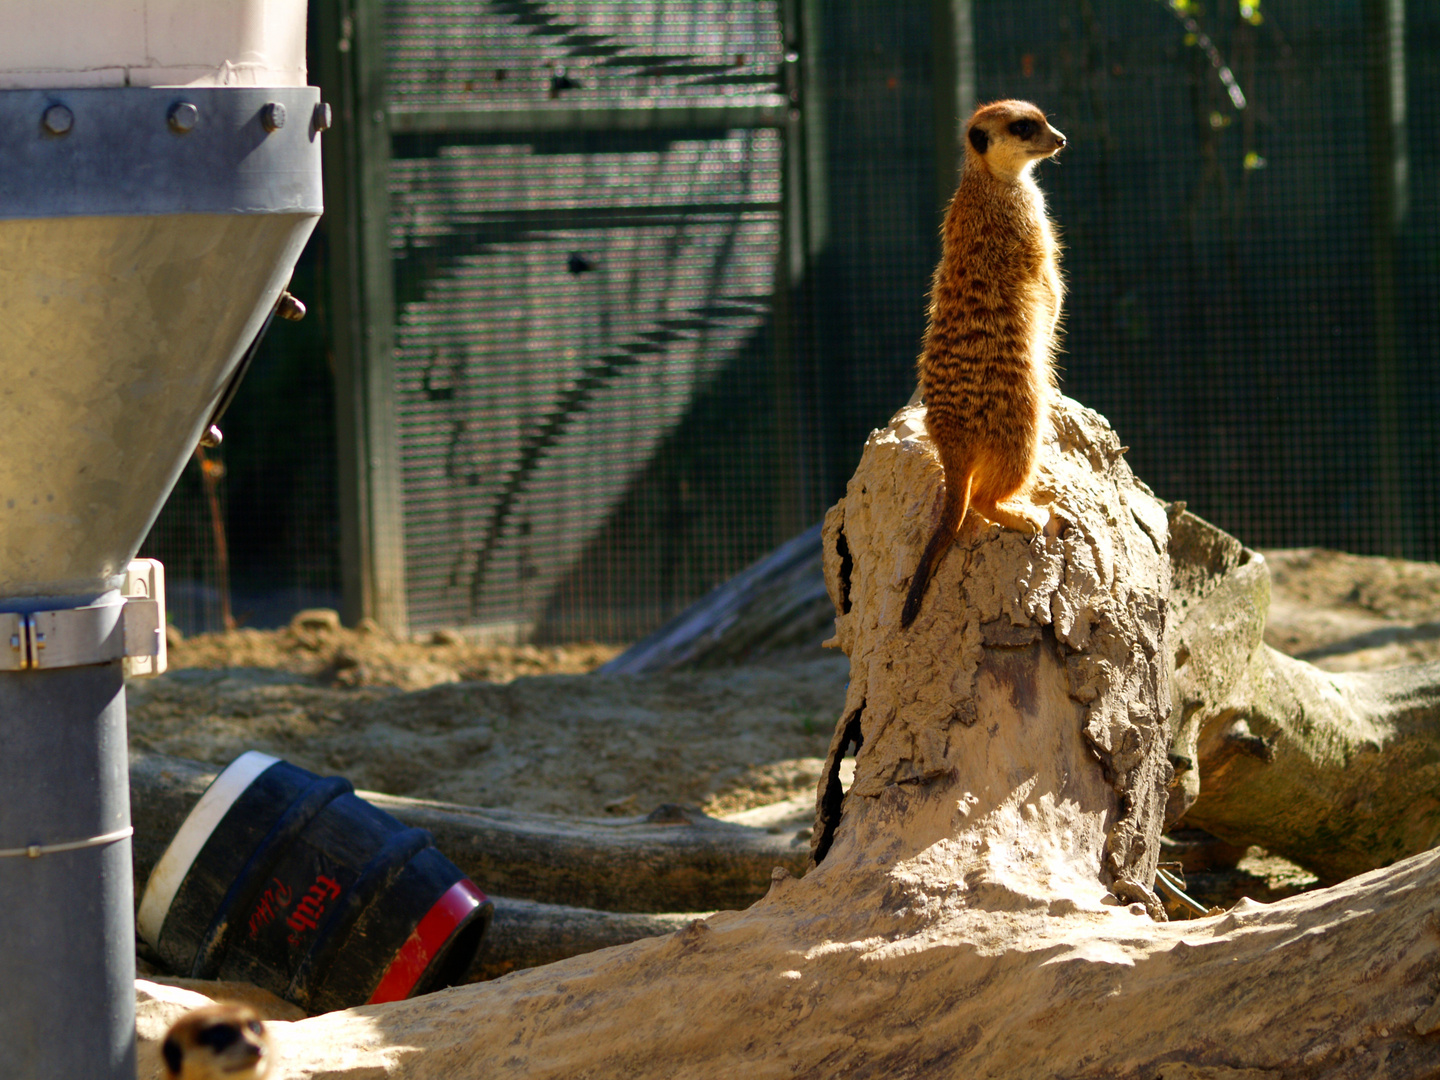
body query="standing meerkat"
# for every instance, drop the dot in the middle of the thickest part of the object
(987, 367)
(217, 1042)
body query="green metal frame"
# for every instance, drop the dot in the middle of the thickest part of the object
(549, 118)
(357, 163)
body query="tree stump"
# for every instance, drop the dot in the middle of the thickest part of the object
(977, 907)
(1041, 659)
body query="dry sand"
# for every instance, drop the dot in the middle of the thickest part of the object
(522, 726)
(525, 727)
(393, 716)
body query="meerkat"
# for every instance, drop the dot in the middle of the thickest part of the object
(217, 1042)
(987, 365)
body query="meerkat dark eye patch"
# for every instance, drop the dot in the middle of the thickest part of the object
(979, 140)
(1024, 129)
(218, 1036)
(172, 1054)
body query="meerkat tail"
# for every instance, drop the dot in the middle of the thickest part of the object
(952, 515)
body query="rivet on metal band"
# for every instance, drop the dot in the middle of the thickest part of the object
(34, 851)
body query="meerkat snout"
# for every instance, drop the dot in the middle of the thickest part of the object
(217, 1042)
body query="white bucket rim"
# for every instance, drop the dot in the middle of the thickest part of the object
(195, 830)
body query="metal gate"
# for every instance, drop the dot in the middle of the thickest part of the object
(568, 220)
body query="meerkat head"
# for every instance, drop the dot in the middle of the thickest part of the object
(217, 1042)
(1009, 137)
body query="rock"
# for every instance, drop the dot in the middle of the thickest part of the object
(316, 620)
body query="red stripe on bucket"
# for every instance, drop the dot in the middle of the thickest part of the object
(426, 940)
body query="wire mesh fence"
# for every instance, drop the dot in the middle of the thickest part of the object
(575, 303)
(275, 487)
(1249, 216)
(568, 290)
(659, 267)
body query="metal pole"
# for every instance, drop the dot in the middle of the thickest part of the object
(67, 939)
(952, 40)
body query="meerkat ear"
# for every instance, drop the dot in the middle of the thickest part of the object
(979, 140)
(173, 1055)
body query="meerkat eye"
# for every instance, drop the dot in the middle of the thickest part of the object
(1024, 129)
(218, 1036)
(255, 1026)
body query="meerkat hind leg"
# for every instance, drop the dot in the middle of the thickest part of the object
(1023, 517)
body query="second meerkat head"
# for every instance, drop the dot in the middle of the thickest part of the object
(1009, 137)
(217, 1042)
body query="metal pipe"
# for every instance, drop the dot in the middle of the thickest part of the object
(65, 779)
(146, 234)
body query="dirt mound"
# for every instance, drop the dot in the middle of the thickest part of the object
(316, 646)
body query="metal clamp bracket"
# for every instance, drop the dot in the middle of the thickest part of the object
(130, 628)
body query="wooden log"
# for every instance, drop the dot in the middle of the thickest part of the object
(673, 859)
(777, 603)
(1337, 772)
(1332, 985)
(525, 934)
(1334, 772)
(1072, 622)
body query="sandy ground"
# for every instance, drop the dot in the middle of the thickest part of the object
(395, 716)
(1353, 612)
(525, 727)
(528, 728)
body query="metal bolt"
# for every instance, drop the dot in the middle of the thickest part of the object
(272, 116)
(58, 119)
(322, 117)
(183, 117)
(290, 308)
